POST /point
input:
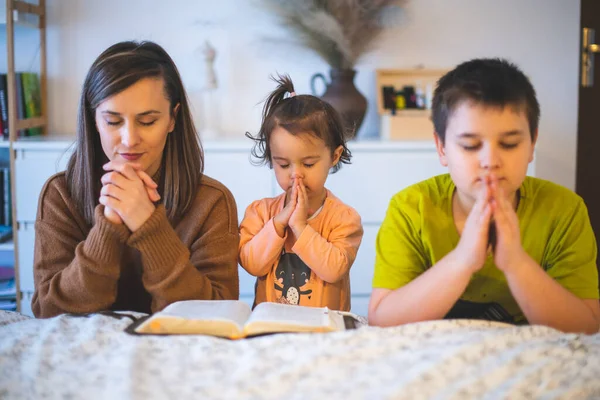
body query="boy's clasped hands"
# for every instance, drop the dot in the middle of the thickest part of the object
(295, 213)
(492, 207)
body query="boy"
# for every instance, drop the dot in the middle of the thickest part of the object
(485, 241)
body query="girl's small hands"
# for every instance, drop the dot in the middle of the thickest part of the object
(281, 220)
(298, 219)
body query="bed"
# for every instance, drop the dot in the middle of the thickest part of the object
(92, 357)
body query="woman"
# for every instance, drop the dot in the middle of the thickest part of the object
(133, 224)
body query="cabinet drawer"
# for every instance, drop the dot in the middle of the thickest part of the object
(32, 170)
(26, 304)
(26, 244)
(373, 178)
(361, 273)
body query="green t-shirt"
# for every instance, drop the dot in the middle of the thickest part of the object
(418, 231)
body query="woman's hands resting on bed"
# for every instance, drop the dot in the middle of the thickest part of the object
(128, 194)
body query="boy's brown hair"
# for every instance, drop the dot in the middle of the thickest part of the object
(492, 82)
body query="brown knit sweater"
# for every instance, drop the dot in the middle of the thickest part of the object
(80, 268)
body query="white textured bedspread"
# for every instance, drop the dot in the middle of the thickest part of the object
(91, 357)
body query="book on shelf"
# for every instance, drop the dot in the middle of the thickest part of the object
(28, 101)
(20, 102)
(4, 105)
(32, 103)
(5, 233)
(234, 319)
(8, 305)
(8, 290)
(5, 205)
(7, 197)
(6, 273)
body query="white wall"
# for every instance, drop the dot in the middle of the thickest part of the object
(540, 35)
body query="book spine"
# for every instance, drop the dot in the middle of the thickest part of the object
(19, 78)
(2, 189)
(32, 97)
(4, 105)
(1, 126)
(7, 198)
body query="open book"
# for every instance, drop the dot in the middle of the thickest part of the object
(235, 319)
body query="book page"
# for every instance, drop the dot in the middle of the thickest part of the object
(212, 317)
(275, 317)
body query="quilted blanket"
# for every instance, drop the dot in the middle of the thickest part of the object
(92, 357)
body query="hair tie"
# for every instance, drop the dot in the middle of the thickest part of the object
(292, 94)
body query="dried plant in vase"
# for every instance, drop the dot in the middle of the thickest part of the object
(340, 32)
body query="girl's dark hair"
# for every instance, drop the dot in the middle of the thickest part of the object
(116, 69)
(486, 81)
(298, 114)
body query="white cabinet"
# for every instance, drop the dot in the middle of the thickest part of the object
(33, 166)
(229, 163)
(35, 162)
(377, 172)
(231, 166)
(26, 240)
(375, 176)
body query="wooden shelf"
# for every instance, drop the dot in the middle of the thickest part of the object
(28, 8)
(411, 112)
(21, 18)
(31, 123)
(43, 142)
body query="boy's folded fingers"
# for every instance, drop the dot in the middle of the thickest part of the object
(482, 222)
(483, 199)
(500, 216)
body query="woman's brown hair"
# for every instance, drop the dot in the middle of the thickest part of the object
(116, 69)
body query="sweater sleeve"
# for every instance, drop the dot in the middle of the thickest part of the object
(74, 272)
(331, 258)
(205, 271)
(260, 245)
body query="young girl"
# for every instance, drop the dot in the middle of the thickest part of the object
(302, 243)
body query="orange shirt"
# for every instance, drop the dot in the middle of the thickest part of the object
(313, 271)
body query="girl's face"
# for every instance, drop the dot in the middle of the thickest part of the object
(134, 124)
(302, 156)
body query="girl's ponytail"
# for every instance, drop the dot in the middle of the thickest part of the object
(284, 86)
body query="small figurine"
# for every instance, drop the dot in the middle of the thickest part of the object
(210, 120)
(209, 58)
